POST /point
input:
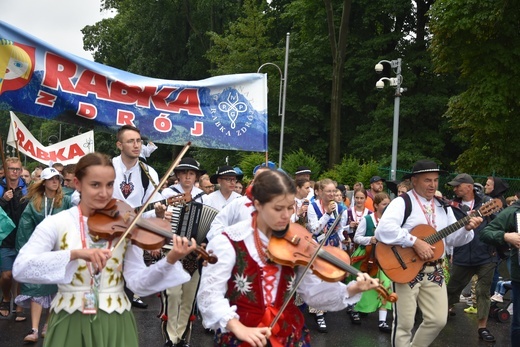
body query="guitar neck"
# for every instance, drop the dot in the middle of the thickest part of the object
(150, 207)
(436, 237)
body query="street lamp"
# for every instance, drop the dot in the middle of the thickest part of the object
(49, 139)
(281, 97)
(393, 82)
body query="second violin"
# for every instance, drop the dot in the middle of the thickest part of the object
(148, 233)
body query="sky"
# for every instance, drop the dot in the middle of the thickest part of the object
(57, 22)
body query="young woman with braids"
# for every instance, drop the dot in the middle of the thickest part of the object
(243, 291)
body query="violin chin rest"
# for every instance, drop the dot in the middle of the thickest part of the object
(280, 233)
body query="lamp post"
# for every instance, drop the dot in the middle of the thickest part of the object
(393, 82)
(49, 139)
(281, 97)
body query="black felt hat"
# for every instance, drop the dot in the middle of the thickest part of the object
(303, 170)
(425, 166)
(225, 170)
(189, 164)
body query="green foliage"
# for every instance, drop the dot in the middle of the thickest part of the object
(297, 158)
(351, 170)
(478, 41)
(245, 46)
(248, 162)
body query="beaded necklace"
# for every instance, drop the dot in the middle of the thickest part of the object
(259, 244)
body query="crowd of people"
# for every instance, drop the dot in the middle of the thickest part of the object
(54, 258)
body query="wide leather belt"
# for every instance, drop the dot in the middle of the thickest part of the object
(433, 263)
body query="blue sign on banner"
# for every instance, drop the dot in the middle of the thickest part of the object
(224, 112)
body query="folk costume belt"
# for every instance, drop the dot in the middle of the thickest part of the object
(433, 263)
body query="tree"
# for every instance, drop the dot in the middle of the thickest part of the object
(478, 41)
(338, 47)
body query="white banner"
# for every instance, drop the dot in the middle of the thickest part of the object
(65, 152)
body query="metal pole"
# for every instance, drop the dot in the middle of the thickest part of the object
(393, 168)
(283, 98)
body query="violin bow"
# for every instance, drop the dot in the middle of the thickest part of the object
(299, 279)
(161, 183)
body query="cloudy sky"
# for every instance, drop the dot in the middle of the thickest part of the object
(58, 22)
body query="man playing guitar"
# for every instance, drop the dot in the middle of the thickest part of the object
(428, 289)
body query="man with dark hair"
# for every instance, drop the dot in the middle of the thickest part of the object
(178, 301)
(225, 177)
(503, 231)
(69, 172)
(473, 258)
(376, 186)
(135, 181)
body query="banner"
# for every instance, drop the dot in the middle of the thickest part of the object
(65, 152)
(225, 112)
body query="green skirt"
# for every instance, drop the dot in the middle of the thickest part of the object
(370, 300)
(101, 330)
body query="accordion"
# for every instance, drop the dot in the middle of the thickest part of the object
(192, 220)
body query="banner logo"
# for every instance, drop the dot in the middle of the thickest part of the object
(16, 65)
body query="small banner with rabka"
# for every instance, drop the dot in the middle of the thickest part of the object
(224, 112)
(66, 152)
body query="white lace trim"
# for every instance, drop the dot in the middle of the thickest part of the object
(239, 231)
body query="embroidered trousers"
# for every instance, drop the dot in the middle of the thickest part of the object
(428, 291)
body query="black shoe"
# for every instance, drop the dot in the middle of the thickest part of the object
(355, 318)
(182, 343)
(137, 302)
(384, 327)
(486, 335)
(322, 326)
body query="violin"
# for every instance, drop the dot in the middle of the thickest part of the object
(369, 264)
(297, 247)
(148, 233)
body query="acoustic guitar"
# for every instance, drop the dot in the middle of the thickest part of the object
(402, 265)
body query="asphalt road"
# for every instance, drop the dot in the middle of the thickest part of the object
(461, 330)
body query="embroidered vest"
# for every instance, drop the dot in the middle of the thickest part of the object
(112, 295)
(245, 291)
(333, 239)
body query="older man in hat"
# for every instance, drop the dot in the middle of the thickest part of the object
(226, 177)
(177, 302)
(473, 258)
(428, 289)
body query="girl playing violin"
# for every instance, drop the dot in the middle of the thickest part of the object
(91, 308)
(45, 199)
(240, 295)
